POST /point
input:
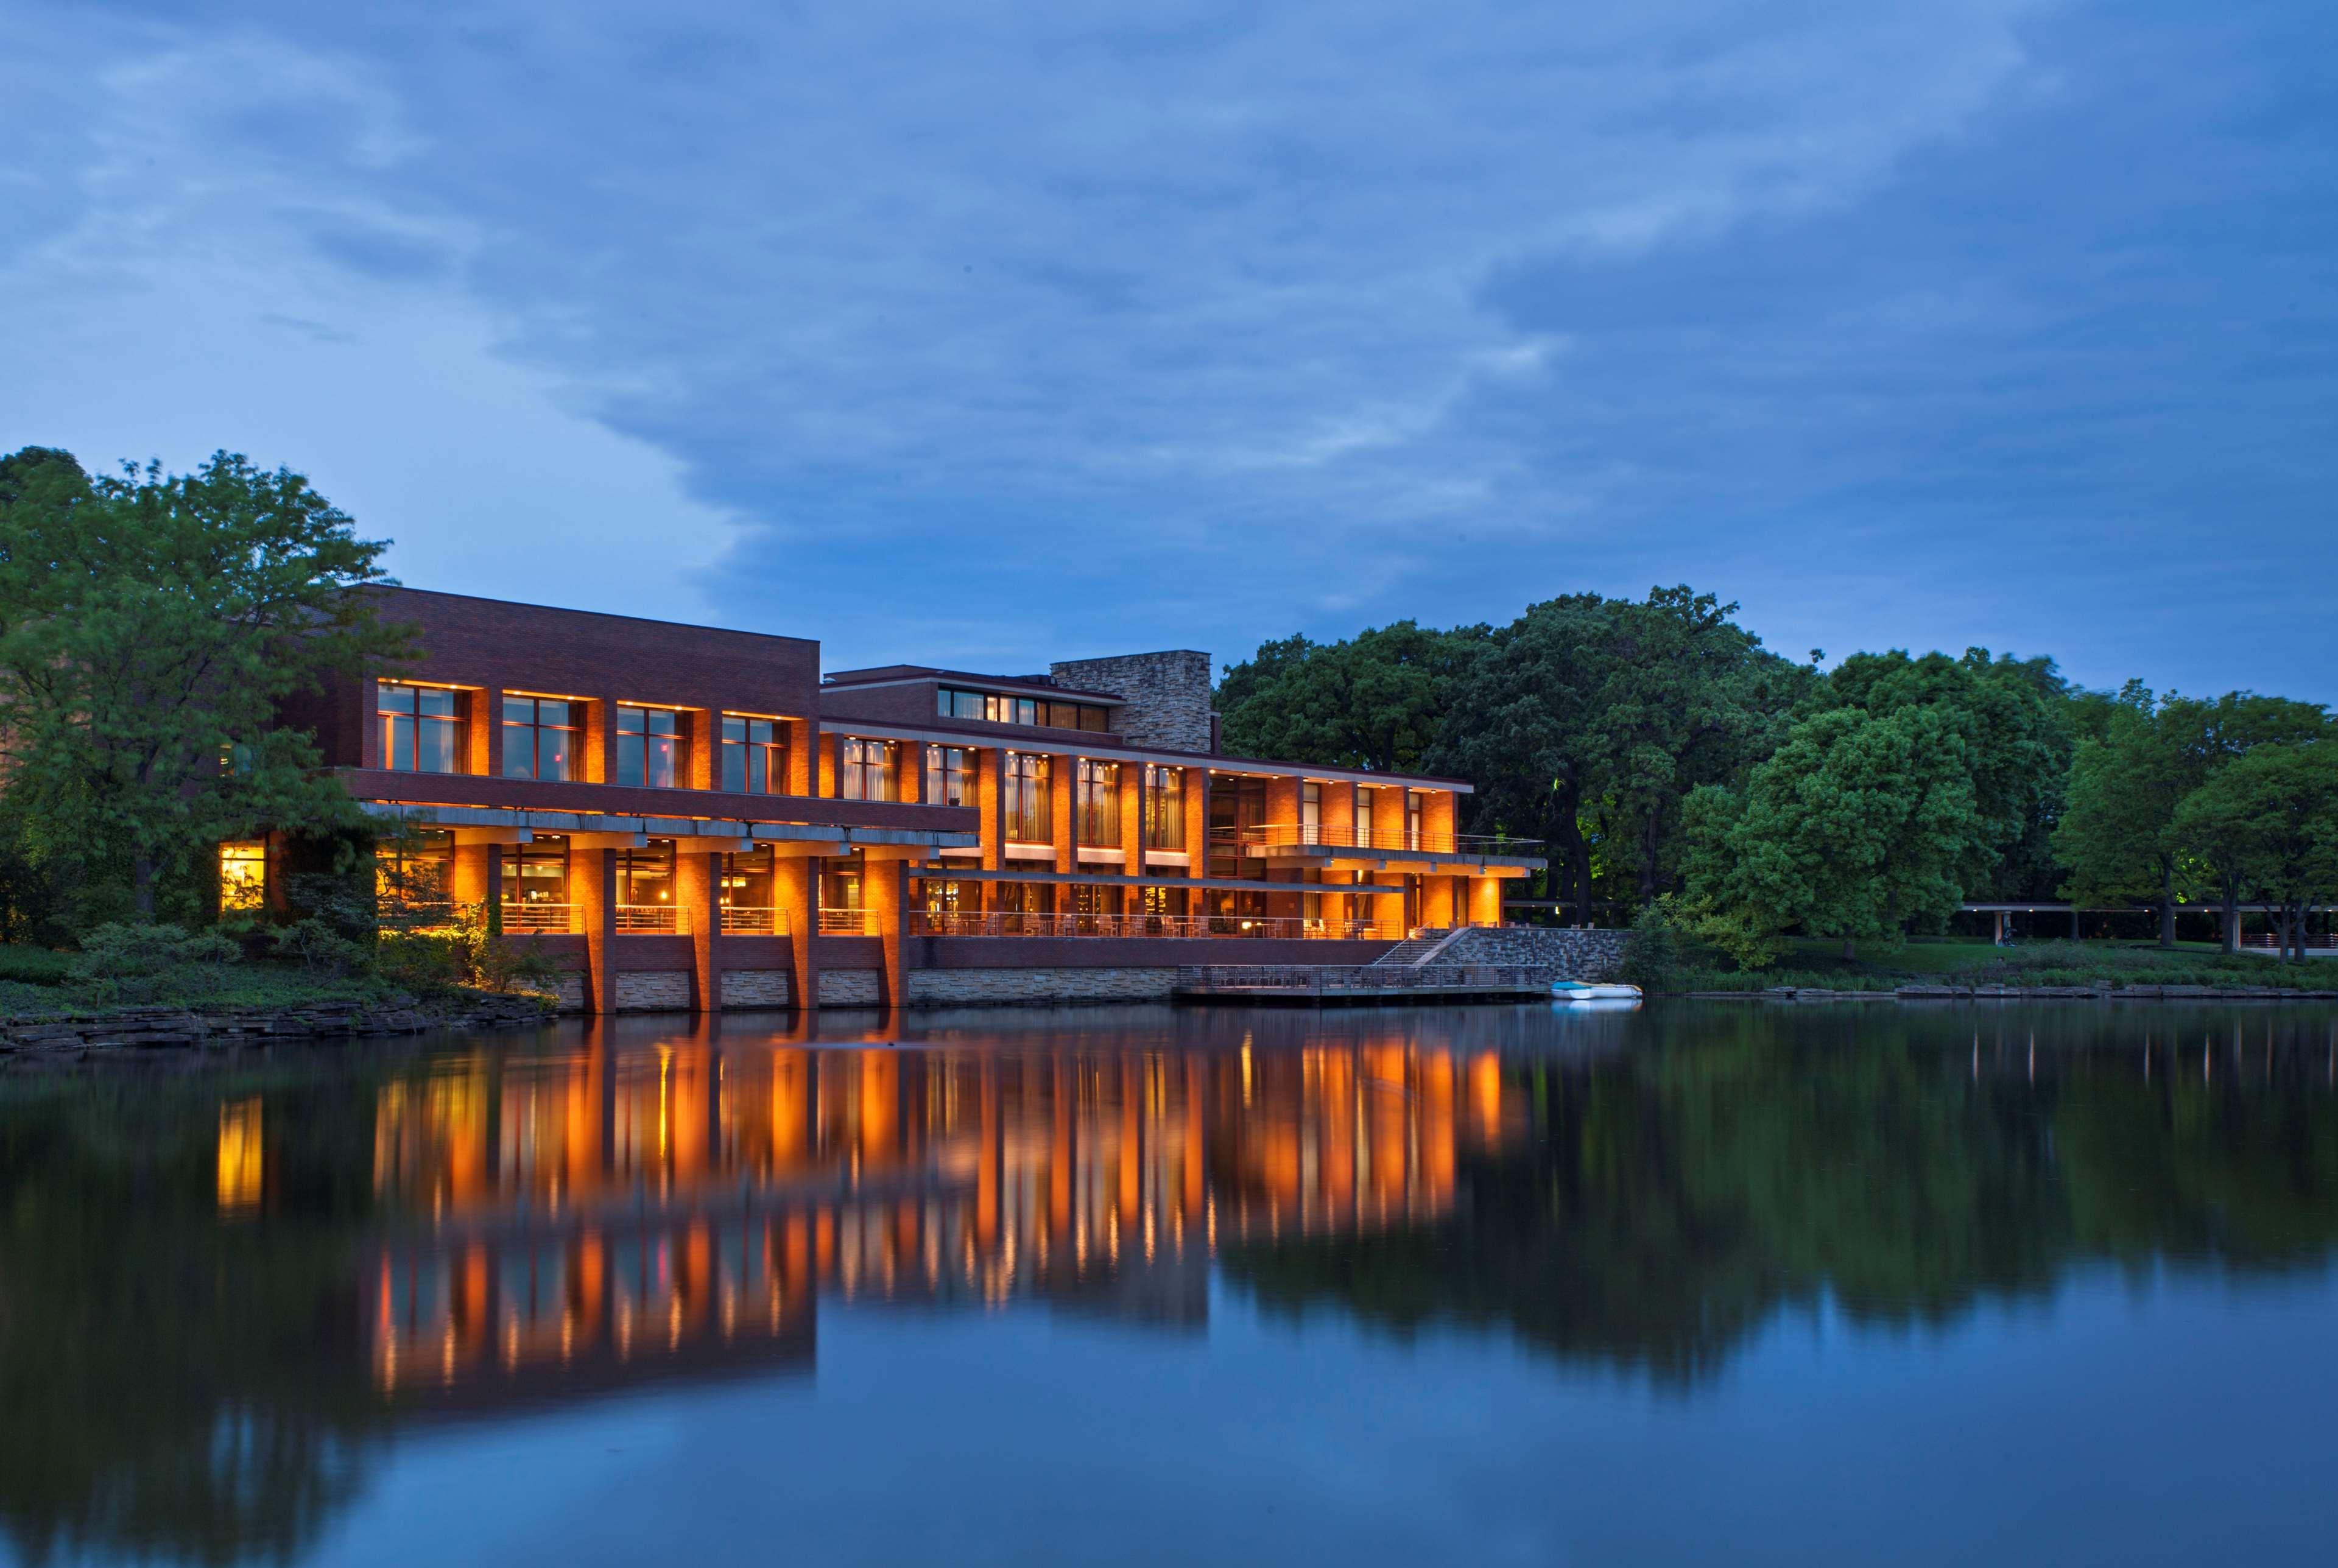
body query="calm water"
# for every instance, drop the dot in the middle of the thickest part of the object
(1691, 1285)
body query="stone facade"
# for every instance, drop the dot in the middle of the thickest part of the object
(1167, 695)
(569, 990)
(992, 988)
(848, 988)
(1567, 954)
(654, 991)
(747, 988)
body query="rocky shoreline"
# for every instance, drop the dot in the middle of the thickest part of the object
(158, 1028)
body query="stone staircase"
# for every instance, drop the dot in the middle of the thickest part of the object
(1419, 948)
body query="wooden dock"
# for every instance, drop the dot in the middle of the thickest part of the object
(1335, 985)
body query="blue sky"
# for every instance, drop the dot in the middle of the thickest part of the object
(988, 335)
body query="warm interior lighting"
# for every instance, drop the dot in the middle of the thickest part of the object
(244, 876)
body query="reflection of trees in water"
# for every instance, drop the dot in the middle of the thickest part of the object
(1907, 1164)
(174, 1382)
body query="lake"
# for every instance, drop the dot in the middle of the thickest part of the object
(1698, 1283)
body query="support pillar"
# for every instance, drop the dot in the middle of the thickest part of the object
(883, 898)
(1132, 819)
(698, 900)
(1485, 901)
(592, 891)
(1437, 902)
(1063, 780)
(796, 890)
(1437, 824)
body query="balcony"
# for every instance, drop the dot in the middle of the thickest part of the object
(741, 921)
(1002, 923)
(1274, 840)
(535, 917)
(843, 923)
(647, 920)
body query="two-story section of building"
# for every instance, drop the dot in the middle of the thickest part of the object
(691, 817)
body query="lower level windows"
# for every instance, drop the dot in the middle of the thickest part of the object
(244, 876)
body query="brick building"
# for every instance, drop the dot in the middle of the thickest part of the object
(693, 818)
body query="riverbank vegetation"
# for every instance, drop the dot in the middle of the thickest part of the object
(152, 626)
(1689, 781)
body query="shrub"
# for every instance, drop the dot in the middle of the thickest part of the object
(1651, 951)
(126, 963)
(319, 948)
(35, 965)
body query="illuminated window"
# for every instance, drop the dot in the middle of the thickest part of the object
(645, 876)
(747, 879)
(414, 868)
(1165, 807)
(1364, 821)
(995, 707)
(1414, 801)
(649, 744)
(539, 737)
(754, 756)
(1311, 813)
(949, 776)
(421, 728)
(1029, 819)
(864, 770)
(1095, 808)
(244, 876)
(537, 872)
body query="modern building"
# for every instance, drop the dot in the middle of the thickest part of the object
(691, 818)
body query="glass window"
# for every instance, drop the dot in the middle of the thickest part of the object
(747, 882)
(1165, 807)
(754, 755)
(1413, 800)
(414, 867)
(949, 776)
(421, 728)
(1364, 838)
(864, 769)
(539, 737)
(1311, 813)
(645, 876)
(1029, 819)
(244, 876)
(1095, 808)
(536, 873)
(649, 746)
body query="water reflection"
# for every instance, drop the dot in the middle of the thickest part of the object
(224, 1284)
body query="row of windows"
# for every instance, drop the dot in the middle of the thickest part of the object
(424, 729)
(991, 707)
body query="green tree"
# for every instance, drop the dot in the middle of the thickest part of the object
(2127, 780)
(2268, 821)
(148, 625)
(1376, 702)
(1859, 824)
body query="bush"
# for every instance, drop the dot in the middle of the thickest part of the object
(320, 949)
(1651, 951)
(127, 964)
(35, 965)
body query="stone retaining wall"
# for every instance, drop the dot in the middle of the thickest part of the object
(994, 987)
(653, 991)
(1591, 954)
(751, 988)
(156, 1027)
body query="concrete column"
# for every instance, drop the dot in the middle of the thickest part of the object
(884, 898)
(1062, 781)
(593, 890)
(795, 887)
(1485, 900)
(1132, 817)
(698, 899)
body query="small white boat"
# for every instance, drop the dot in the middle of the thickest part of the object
(1583, 991)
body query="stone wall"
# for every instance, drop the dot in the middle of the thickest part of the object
(849, 988)
(985, 988)
(1567, 954)
(1167, 695)
(751, 988)
(654, 991)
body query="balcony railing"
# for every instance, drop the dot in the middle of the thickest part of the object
(843, 923)
(535, 916)
(646, 919)
(1003, 923)
(1267, 836)
(738, 920)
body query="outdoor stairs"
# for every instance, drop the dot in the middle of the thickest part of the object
(1419, 948)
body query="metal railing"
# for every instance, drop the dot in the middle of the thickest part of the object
(843, 923)
(1270, 836)
(1327, 979)
(739, 920)
(538, 917)
(648, 919)
(2267, 941)
(1006, 923)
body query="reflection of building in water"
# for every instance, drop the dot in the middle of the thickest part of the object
(603, 1215)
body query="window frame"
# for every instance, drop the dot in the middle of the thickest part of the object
(633, 748)
(452, 728)
(773, 752)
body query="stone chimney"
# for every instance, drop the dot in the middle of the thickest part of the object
(1167, 696)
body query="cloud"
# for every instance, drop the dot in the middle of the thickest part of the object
(992, 336)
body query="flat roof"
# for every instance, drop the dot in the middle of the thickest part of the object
(918, 674)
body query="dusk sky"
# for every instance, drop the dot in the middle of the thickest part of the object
(983, 335)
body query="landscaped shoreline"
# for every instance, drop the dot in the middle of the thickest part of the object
(168, 1025)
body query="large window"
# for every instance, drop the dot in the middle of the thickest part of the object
(414, 870)
(649, 747)
(539, 737)
(754, 755)
(949, 776)
(421, 728)
(995, 707)
(1096, 808)
(536, 885)
(1311, 813)
(747, 879)
(1414, 801)
(1165, 807)
(243, 877)
(1029, 819)
(864, 769)
(1364, 838)
(645, 876)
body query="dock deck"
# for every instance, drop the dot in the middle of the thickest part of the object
(1332, 984)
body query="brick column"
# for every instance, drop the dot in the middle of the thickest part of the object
(369, 723)
(487, 733)
(698, 897)
(803, 757)
(990, 800)
(1132, 817)
(1437, 902)
(884, 898)
(1436, 819)
(1062, 779)
(910, 763)
(1387, 908)
(1486, 900)
(825, 784)
(593, 890)
(1282, 804)
(1197, 822)
(475, 866)
(1339, 812)
(795, 887)
(702, 768)
(597, 738)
